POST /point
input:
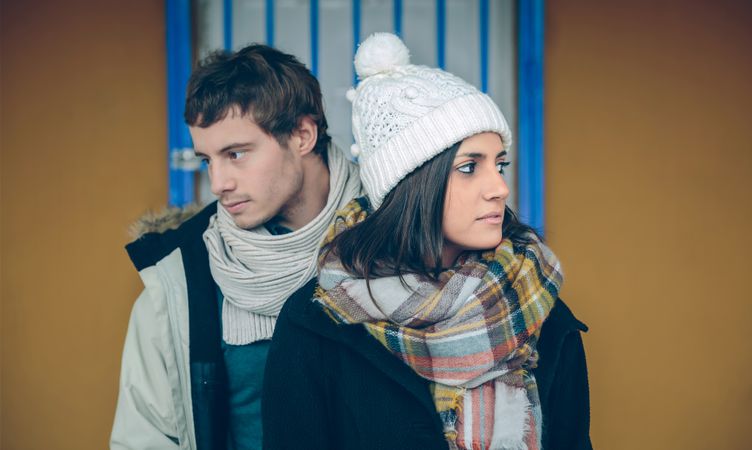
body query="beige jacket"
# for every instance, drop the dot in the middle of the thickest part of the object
(154, 402)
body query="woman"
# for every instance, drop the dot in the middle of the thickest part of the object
(436, 323)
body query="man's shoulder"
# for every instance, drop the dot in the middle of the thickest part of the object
(159, 234)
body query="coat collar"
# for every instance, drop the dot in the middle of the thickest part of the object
(559, 324)
(161, 239)
(310, 315)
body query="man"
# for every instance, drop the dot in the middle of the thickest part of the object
(194, 355)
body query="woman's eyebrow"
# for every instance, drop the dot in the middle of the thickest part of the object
(481, 155)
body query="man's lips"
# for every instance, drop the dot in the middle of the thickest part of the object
(233, 207)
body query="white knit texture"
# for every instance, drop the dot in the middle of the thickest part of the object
(257, 271)
(426, 137)
(403, 115)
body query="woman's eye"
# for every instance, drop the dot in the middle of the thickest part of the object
(501, 165)
(467, 168)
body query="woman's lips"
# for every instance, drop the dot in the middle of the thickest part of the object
(492, 219)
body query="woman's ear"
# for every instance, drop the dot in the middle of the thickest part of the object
(304, 136)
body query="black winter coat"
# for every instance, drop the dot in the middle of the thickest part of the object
(334, 387)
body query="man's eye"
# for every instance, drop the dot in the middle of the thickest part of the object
(237, 155)
(501, 165)
(467, 168)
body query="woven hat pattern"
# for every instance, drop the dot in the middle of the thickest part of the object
(403, 115)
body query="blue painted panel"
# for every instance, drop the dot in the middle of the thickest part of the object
(315, 37)
(270, 23)
(356, 34)
(227, 23)
(178, 18)
(530, 76)
(397, 5)
(356, 18)
(483, 27)
(530, 109)
(441, 33)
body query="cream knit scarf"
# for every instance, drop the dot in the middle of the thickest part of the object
(258, 271)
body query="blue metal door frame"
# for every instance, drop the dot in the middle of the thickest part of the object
(179, 64)
(530, 168)
(530, 176)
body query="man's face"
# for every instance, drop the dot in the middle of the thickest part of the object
(253, 176)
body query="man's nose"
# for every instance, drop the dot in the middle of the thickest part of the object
(221, 181)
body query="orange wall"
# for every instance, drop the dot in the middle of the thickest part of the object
(648, 141)
(83, 143)
(649, 157)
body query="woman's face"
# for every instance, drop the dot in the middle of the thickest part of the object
(476, 197)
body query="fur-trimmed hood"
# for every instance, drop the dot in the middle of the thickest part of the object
(169, 218)
(158, 234)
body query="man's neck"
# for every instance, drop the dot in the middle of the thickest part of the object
(312, 197)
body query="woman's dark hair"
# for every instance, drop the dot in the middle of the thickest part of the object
(405, 234)
(273, 88)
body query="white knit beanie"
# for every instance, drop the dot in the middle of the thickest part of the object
(403, 115)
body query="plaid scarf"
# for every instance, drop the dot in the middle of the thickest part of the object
(472, 334)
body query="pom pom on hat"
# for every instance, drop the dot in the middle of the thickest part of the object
(381, 52)
(351, 94)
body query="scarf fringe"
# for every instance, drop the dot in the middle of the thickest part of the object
(474, 336)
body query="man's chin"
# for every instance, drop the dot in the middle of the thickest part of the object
(248, 223)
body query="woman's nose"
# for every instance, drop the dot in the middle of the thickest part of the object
(496, 188)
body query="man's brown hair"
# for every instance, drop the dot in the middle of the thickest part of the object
(273, 88)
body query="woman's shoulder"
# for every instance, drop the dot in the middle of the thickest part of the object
(559, 346)
(562, 380)
(562, 319)
(302, 335)
(560, 336)
(301, 313)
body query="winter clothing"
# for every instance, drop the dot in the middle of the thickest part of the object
(174, 381)
(413, 363)
(257, 271)
(472, 333)
(335, 387)
(245, 382)
(175, 390)
(403, 115)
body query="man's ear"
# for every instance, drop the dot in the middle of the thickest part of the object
(304, 136)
